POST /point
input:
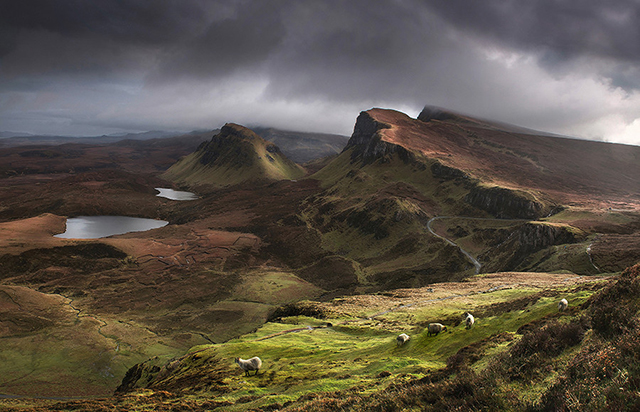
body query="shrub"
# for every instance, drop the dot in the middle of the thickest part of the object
(613, 309)
(611, 318)
(550, 340)
(604, 375)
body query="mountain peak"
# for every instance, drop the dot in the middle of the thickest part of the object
(429, 113)
(372, 136)
(238, 131)
(234, 155)
(496, 154)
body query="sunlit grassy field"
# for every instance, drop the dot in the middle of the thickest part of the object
(356, 352)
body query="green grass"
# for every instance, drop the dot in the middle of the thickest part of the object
(377, 194)
(89, 355)
(74, 359)
(352, 356)
(368, 179)
(189, 170)
(273, 288)
(569, 258)
(356, 189)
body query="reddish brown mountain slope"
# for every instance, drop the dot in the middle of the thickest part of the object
(567, 169)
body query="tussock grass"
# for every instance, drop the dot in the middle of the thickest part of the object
(302, 355)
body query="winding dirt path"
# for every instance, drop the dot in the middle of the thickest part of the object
(473, 260)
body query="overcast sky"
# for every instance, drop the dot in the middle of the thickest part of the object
(79, 67)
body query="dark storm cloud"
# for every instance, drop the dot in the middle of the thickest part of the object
(90, 37)
(127, 21)
(361, 50)
(200, 63)
(239, 42)
(561, 29)
(313, 42)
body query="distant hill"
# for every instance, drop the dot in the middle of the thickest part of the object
(5, 134)
(233, 156)
(189, 141)
(11, 139)
(303, 147)
(154, 155)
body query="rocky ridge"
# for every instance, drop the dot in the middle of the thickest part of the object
(374, 140)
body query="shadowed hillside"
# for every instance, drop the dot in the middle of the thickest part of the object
(565, 169)
(303, 147)
(494, 196)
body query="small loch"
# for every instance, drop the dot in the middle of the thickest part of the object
(175, 194)
(94, 227)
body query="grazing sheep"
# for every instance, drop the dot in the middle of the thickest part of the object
(469, 320)
(563, 305)
(435, 328)
(402, 339)
(253, 364)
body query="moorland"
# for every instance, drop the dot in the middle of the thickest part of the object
(316, 267)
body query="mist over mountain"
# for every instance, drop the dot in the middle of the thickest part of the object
(303, 147)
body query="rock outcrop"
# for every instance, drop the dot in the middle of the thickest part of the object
(525, 241)
(440, 171)
(504, 203)
(368, 145)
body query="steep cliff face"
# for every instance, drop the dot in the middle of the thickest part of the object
(526, 240)
(504, 203)
(231, 146)
(440, 171)
(233, 156)
(375, 140)
(367, 142)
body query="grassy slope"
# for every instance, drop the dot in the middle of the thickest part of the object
(52, 341)
(353, 188)
(63, 351)
(265, 165)
(190, 171)
(399, 197)
(357, 354)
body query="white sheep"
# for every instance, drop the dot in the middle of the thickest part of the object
(435, 328)
(563, 305)
(402, 339)
(469, 320)
(253, 364)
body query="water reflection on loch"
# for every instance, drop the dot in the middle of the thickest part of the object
(175, 194)
(93, 227)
